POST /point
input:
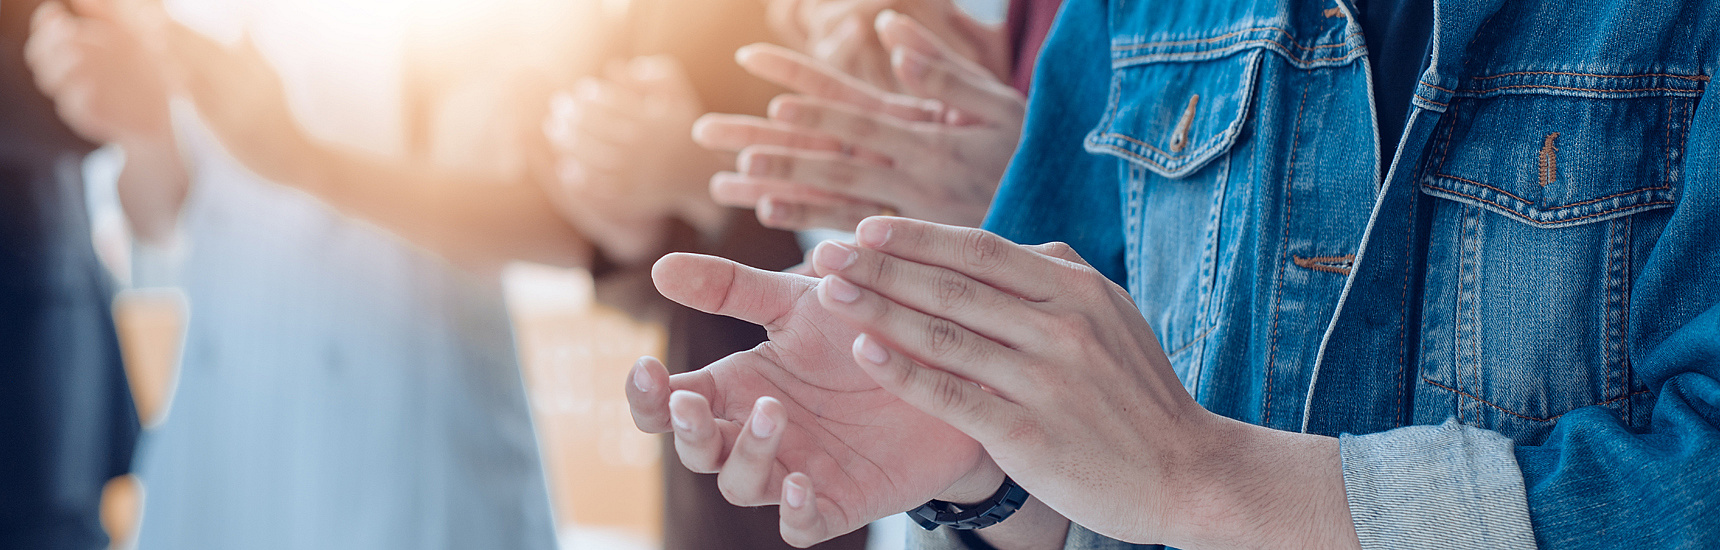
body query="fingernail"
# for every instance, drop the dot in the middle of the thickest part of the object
(909, 63)
(681, 424)
(883, 20)
(793, 494)
(873, 233)
(744, 52)
(840, 290)
(871, 351)
(641, 379)
(834, 256)
(762, 425)
(785, 111)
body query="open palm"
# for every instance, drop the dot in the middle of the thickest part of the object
(868, 454)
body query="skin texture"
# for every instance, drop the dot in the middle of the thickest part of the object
(1047, 364)
(624, 159)
(846, 450)
(841, 149)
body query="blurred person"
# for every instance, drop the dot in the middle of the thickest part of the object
(338, 388)
(1297, 214)
(67, 422)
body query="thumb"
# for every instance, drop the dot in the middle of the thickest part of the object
(95, 9)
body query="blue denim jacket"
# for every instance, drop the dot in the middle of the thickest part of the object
(1519, 311)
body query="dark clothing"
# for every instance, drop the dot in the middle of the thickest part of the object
(1027, 24)
(67, 424)
(1399, 34)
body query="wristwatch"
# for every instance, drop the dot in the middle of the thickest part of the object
(986, 513)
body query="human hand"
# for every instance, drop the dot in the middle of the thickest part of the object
(792, 421)
(624, 158)
(103, 83)
(937, 159)
(840, 33)
(1051, 366)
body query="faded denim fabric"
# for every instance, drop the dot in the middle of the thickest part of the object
(1540, 264)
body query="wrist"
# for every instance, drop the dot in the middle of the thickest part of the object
(979, 484)
(1254, 486)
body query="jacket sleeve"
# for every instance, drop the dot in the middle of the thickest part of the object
(1594, 482)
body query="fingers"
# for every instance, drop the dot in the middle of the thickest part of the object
(830, 172)
(751, 474)
(794, 216)
(849, 124)
(976, 253)
(719, 286)
(732, 133)
(961, 403)
(805, 518)
(798, 72)
(934, 290)
(648, 395)
(701, 440)
(742, 191)
(940, 79)
(927, 339)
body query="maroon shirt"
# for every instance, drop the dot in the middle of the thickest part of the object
(1028, 23)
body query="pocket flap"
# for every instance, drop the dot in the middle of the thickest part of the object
(1174, 117)
(1557, 161)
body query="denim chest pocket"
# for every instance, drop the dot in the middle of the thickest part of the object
(1169, 122)
(1548, 187)
(1174, 118)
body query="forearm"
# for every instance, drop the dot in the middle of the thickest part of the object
(152, 188)
(473, 222)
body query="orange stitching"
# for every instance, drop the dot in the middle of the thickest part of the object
(1284, 245)
(1418, 96)
(1132, 154)
(1430, 85)
(1192, 341)
(1520, 415)
(1697, 78)
(1663, 187)
(1495, 189)
(1281, 30)
(1321, 263)
(1549, 159)
(1581, 89)
(1536, 222)
(1272, 42)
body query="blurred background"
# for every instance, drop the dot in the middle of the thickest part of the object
(261, 312)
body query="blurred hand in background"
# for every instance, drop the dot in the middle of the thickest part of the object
(841, 149)
(841, 33)
(624, 162)
(99, 68)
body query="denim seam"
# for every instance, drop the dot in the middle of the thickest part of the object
(1319, 263)
(1442, 105)
(1192, 341)
(1477, 91)
(1662, 187)
(1176, 56)
(1281, 30)
(1430, 382)
(1526, 219)
(1696, 78)
(1283, 249)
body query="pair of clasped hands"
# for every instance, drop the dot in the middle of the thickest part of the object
(925, 360)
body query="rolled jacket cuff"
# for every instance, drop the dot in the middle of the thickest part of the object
(1445, 486)
(1079, 539)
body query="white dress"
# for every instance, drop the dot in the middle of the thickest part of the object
(339, 389)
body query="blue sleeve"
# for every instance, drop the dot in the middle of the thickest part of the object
(1055, 190)
(1594, 483)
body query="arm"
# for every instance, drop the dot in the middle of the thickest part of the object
(1049, 365)
(106, 88)
(471, 221)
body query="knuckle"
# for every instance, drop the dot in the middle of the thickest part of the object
(951, 393)
(984, 250)
(953, 292)
(942, 336)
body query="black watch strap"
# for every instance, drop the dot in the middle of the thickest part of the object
(986, 513)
